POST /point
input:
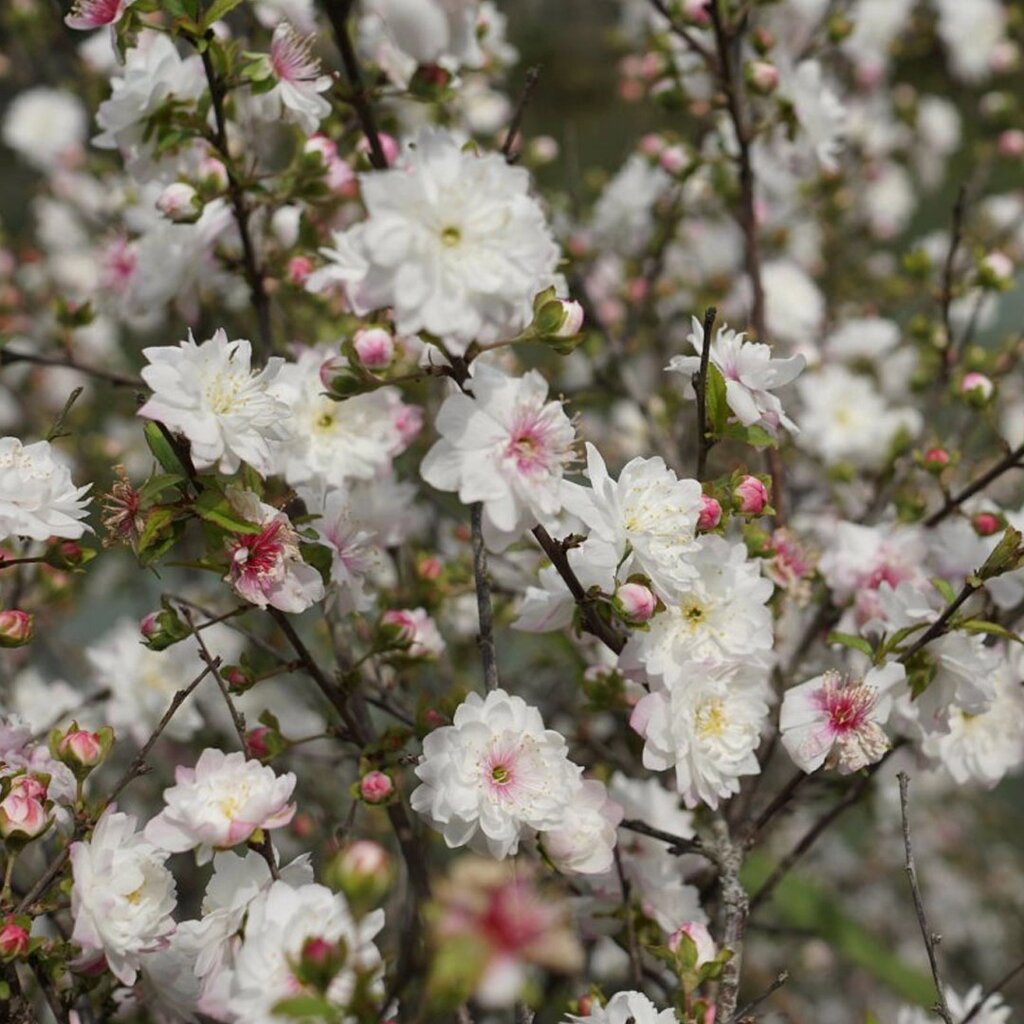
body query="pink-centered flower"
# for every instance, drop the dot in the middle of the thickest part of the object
(266, 568)
(299, 81)
(90, 14)
(836, 720)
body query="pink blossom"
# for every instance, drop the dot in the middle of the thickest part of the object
(23, 814)
(375, 347)
(15, 628)
(90, 14)
(750, 496)
(710, 514)
(376, 787)
(81, 747)
(13, 941)
(636, 602)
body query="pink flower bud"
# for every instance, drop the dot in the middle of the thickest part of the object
(673, 159)
(1011, 143)
(213, 174)
(976, 388)
(82, 747)
(408, 423)
(15, 628)
(22, 816)
(701, 938)
(388, 144)
(996, 269)
(375, 347)
(376, 787)
(762, 77)
(317, 951)
(584, 1005)
(238, 678)
(256, 742)
(429, 569)
(329, 369)
(572, 319)
(1004, 56)
(986, 523)
(543, 149)
(180, 203)
(299, 268)
(322, 146)
(697, 10)
(149, 625)
(750, 496)
(635, 602)
(936, 458)
(365, 857)
(13, 941)
(403, 624)
(652, 144)
(710, 513)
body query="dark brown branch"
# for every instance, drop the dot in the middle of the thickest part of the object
(682, 31)
(253, 273)
(736, 907)
(778, 802)
(946, 294)
(700, 387)
(931, 940)
(939, 626)
(591, 621)
(532, 76)
(338, 12)
(677, 845)
(8, 357)
(990, 992)
(1013, 460)
(744, 1014)
(484, 608)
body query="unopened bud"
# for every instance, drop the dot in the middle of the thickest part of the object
(635, 602)
(935, 460)
(238, 678)
(180, 203)
(257, 742)
(995, 271)
(976, 388)
(375, 347)
(363, 871)
(13, 941)
(376, 787)
(429, 569)
(389, 147)
(15, 628)
(710, 513)
(213, 175)
(80, 749)
(559, 318)
(320, 961)
(986, 523)
(163, 628)
(698, 934)
(1011, 143)
(299, 268)
(750, 496)
(23, 816)
(762, 77)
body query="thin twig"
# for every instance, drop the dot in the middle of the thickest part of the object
(990, 992)
(682, 31)
(1013, 460)
(532, 76)
(634, 951)
(135, 769)
(700, 387)
(741, 1015)
(592, 622)
(946, 294)
(677, 845)
(931, 940)
(7, 356)
(939, 626)
(338, 12)
(253, 273)
(778, 802)
(485, 610)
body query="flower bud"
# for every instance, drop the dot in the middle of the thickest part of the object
(429, 569)
(388, 144)
(986, 523)
(673, 159)
(363, 871)
(320, 961)
(996, 271)
(375, 347)
(299, 268)
(750, 496)
(542, 149)
(80, 749)
(13, 941)
(23, 815)
(762, 77)
(163, 628)
(179, 202)
(710, 513)
(935, 460)
(213, 175)
(15, 628)
(256, 744)
(698, 934)
(559, 318)
(976, 388)
(342, 380)
(376, 787)
(635, 602)
(1011, 143)
(238, 678)
(585, 1005)
(652, 144)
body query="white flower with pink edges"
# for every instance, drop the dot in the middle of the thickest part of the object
(296, 96)
(220, 803)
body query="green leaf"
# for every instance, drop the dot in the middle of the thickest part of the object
(858, 643)
(162, 449)
(945, 588)
(318, 556)
(991, 628)
(157, 520)
(217, 10)
(755, 436)
(213, 507)
(158, 483)
(305, 1008)
(715, 402)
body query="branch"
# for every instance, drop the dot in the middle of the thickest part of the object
(938, 627)
(946, 295)
(682, 31)
(592, 622)
(677, 845)
(8, 357)
(741, 1015)
(532, 75)
(736, 907)
(634, 952)
(1009, 461)
(135, 769)
(253, 273)
(931, 940)
(484, 609)
(988, 994)
(338, 12)
(700, 387)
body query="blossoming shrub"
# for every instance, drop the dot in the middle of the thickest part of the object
(429, 596)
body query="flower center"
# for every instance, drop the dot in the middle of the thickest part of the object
(847, 704)
(711, 719)
(451, 236)
(500, 774)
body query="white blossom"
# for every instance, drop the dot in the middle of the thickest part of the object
(626, 1008)
(45, 127)
(37, 496)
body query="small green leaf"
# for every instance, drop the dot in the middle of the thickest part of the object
(991, 628)
(715, 400)
(157, 520)
(158, 483)
(945, 588)
(162, 449)
(217, 10)
(858, 643)
(213, 507)
(305, 1008)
